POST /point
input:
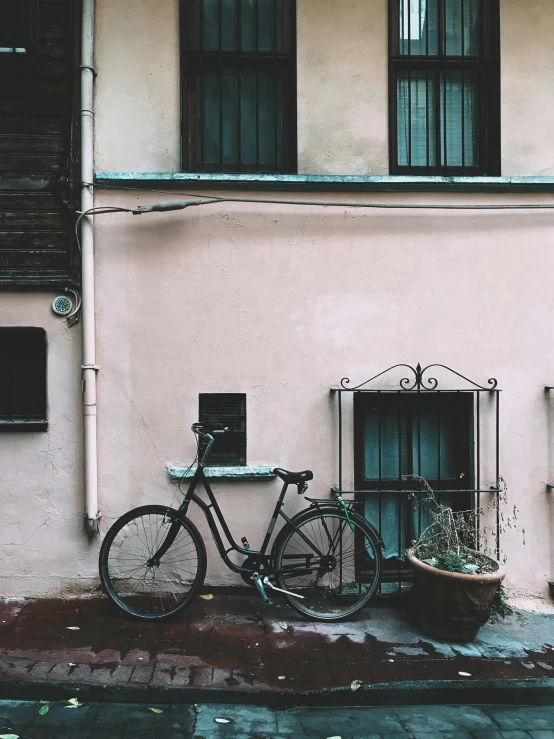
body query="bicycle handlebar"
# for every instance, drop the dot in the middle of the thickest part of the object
(213, 429)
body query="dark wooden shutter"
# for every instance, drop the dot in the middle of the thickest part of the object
(22, 379)
(38, 162)
(227, 409)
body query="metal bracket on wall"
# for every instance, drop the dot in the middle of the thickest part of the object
(549, 485)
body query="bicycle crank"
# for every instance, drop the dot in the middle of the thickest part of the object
(280, 590)
(261, 590)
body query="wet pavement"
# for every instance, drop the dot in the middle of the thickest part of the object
(227, 644)
(23, 719)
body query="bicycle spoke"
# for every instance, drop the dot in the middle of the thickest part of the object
(142, 584)
(334, 587)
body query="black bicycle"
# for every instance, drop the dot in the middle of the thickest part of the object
(326, 560)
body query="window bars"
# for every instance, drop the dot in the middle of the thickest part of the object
(409, 430)
(238, 85)
(444, 87)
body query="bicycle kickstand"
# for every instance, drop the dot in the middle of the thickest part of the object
(261, 590)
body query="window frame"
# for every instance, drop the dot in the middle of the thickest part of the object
(486, 66)
(194, 58)
(460, 405)
(406, 403)
(31, 33)
(236, 423)
(38, 419)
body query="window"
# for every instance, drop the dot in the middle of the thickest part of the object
(16, 24)
(239, 85)
(22, 379)
(228, 409)
(444, 91)
(398, 435)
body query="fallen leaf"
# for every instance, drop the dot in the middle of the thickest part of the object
(71, 664)
(44, 710)
(9, 736)
(222, 720)
(155, 710)
(208, 596)
(334, 737)
(334, 610)
(465, 674)
(73, 628)
(282, 677)
(73, 703)
(283, 625)
(356, 684)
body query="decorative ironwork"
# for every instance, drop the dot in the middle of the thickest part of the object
(419, 382)
(413, 426)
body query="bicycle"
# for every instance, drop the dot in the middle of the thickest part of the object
(326, 560)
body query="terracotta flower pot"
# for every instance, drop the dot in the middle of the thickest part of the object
(452, 606)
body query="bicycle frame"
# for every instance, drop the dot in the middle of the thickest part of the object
(261, 554)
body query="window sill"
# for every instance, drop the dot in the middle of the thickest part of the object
(329, 183)
(12, 426)
(223, 473)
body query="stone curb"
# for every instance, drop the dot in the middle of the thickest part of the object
(421, 692)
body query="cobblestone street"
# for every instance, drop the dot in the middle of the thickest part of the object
(131, 721)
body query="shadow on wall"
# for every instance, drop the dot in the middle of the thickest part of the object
(323, 223)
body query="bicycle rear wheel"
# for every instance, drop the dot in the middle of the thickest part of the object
(335, 569)
(152, 562)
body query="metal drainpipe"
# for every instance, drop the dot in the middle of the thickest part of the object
(89, 367)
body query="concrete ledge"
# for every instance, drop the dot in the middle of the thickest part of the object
(326, 183)
(177, 473)
(535, 692)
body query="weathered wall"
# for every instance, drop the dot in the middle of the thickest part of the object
(282, 302)
(137, 88)
(342, 87)
(527, 69)
(43, 549)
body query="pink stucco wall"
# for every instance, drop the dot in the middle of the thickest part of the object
(280, 302)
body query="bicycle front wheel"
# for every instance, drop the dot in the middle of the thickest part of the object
(152, 562)
(334, 564)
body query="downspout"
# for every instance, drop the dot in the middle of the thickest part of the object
(89, 367)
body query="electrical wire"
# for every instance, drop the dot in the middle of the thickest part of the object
(191, 465)
(97, 211)
(210, 199)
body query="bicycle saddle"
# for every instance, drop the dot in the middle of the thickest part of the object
(293, 478)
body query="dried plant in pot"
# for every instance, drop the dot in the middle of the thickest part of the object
(454, 585)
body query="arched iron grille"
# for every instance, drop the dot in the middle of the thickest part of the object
(411, 426)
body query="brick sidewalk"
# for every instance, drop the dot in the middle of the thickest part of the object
(227, 644)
